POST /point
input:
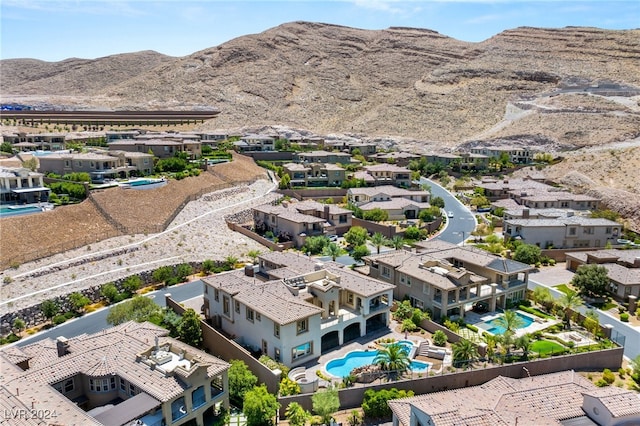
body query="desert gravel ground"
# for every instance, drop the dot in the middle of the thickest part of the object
(199, 232)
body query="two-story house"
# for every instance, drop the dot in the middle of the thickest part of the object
(399, 203)
(22, 186)
(129, 374)
(445, 279)
(516, 155)
(323, 157)
(314, 174)
(385, 174)
(253, 142)
(294, 308)
(567, 232)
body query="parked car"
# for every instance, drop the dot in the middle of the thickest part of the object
(450, 214)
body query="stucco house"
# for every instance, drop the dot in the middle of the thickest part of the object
(445, 279)
(314, 174)
(20, 185)
(561, 399)
(129, 374)
(623, 269)
(567, 232)
(399, 203)
(294, 308)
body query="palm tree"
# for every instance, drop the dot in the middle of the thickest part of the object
(396, 242)
(510, 321)
(464, 353)
(333, 250)
(524, 343)
(492, 345)
(541, 295)
(253, 255)
(379, 240)
(394, 359)
(569, 302)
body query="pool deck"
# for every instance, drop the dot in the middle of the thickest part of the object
(538, 323)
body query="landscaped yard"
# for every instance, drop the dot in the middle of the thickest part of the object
(546, 346)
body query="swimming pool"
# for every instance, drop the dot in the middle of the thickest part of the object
(144, 183)
(341, 367)
(7, 211)
(495, 328)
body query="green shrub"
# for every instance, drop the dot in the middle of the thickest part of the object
(601, 383)
(59, 319)
(624, 317)
(472, 328)
(608, 376)
(439, 338)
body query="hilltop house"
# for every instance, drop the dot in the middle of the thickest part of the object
(385, 174)
(99, 164)
(294, 308)
(445, 279)
(19, 185)
(314, 174)
(399, 203)
(125, 375)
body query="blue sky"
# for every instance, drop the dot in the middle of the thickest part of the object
(53, 30)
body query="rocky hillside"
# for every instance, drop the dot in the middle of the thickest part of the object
(399, 82)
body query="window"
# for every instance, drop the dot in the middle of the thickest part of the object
(350, 298)
(276, 330)
(572, 231)
(608, 230)
(258, 316)
(65, 386)
(216, 295)
(225, 305)
(237, 306)
(302, 326)
(425, 288)
(178, 409)
(123, 385)
(79, 163)
(385, 271)
(250, 314)
(302, 350)
(67, 163)
(132, 389)
(588, 230)
(102, 385)
(198, 398)
(276, 354)
(92, 164)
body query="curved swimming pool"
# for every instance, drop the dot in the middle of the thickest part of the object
(341, 367)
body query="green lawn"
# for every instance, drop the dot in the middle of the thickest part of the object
(564, 288)
(546, 346)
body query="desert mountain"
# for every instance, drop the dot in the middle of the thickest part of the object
(403, 82)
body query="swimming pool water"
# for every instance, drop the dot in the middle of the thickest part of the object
(496, 329)
(7, 211)
(341, 367)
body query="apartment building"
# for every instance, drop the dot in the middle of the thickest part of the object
(294, 308)
(130, 374)
(19, 185)
(566, 232)
(445, 279)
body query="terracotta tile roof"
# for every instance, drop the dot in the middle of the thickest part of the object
(545, 399)
(394, 204)
(297, 261)
(358, 283)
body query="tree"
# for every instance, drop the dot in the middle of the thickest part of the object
(6, 147)
(524, 343)
(230, 261)
(403, 310)
(430, 214)
(19, 324)
(510, 321)
(285, 181)
(207, 266)
(397, 242)
(374, 403)
(253, 255)
(541, 295)
(464, 353)
(355, 418)
(260, 407)
(378, 240)
(31, 164)
(592, 322)
(437, 202)
(492, 345)
(110, 292)
(359, 252)
(49, 308)
(138, 309)
(356, 236)
(527, 253)
(78, 301)
(163, 274)
(412, 233)
(591, 280)
(325, 403)
(376, 215)
(241, 380)
(570, 302)
(296, 415)
(333, 250)
(394, 359)
(189, 330)
(315, 245)
(132, 284)
(183, 270)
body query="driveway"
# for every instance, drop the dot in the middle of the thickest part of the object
(552, 275)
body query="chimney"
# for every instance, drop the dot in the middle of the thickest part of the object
(249, 270)
(636, 262)
(525, 213)
(326, 213)
(62, 344)
(318, 266)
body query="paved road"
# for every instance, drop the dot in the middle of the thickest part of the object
(631, 334)
(97, 321)
(458, 227)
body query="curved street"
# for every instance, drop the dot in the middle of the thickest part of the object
(459, 227)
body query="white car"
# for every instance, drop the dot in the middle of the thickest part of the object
(450, 214)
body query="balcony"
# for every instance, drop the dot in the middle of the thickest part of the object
(345, 317)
